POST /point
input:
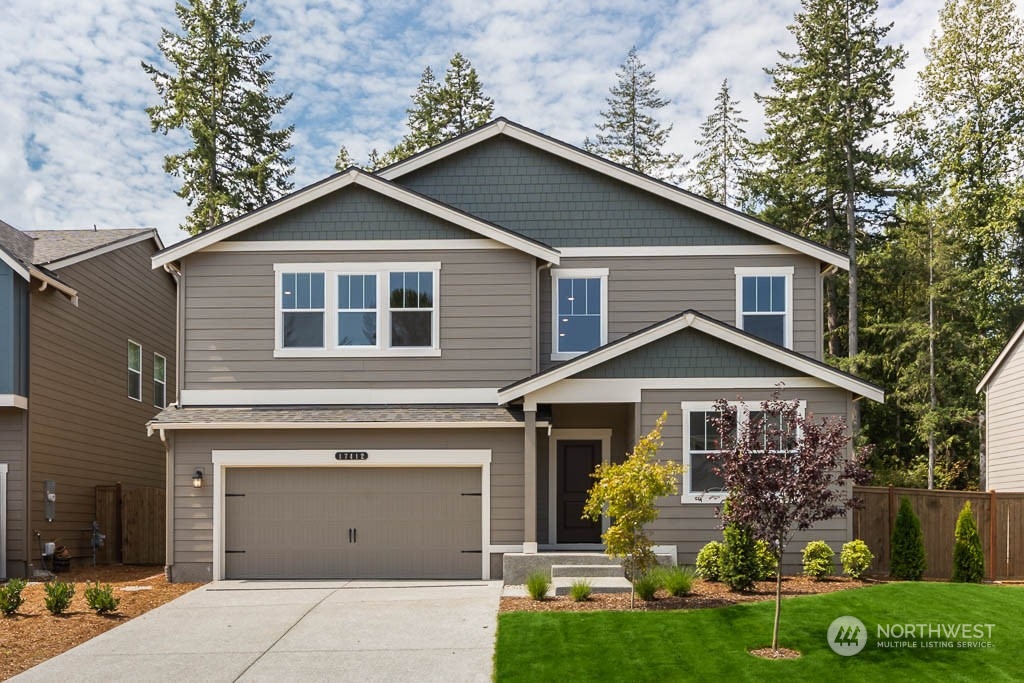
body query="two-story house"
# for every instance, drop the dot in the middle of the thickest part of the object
(87, 357)
(413, 372)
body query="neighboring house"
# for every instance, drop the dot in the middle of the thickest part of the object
(87, 356)
(1003, 384)
(413, 372)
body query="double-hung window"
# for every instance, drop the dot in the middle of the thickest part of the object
(579, 311)
(134, 370)
(764, 303)
(159, 381)
(357, 309)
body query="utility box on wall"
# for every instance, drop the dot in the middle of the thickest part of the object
(50, 500)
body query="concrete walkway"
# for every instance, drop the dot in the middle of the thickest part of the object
(298, 631)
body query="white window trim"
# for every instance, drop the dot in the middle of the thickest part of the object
(688, 407)
(785, 271)
(570, 273)
(141, 366)
(331, 272)
(162, 382)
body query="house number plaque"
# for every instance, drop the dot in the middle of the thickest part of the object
(351, 455)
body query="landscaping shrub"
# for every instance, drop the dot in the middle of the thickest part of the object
(856, 558)
(968, 561)
(580, 590)
(738, 560)
(537, 585)
(819, 560)
(58, 596)
(677, 580)
(907, 558)
(767, 565)
(709, 561)
(101, 598)
(646, 585)
(10, 596)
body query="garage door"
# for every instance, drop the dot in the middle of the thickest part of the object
(318, 523)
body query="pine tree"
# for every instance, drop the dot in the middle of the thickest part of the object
(825, 175)
(724, 155)
(343, 160)
(907, 558)
(217, 89)
(629, 134)
(968, 559)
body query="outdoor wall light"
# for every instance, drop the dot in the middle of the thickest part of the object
(197, 479)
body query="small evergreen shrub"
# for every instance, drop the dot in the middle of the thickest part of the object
(537, 585)
(101, 598)
(968, 560)
(819, 560)
(580, 590)
(646, 585)
(58, 596)
(10, 596)
(907, 558)
(767, 565)
(677, 581)
(738, 567)
(709, 561)
(856, 558)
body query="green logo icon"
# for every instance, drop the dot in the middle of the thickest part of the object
(847, 636)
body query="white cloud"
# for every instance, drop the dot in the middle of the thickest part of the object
(76, 146)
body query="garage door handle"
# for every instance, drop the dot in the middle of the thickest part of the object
(355, 535)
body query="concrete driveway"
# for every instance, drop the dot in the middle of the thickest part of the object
(298, 631)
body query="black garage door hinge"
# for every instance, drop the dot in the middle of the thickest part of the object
(234, 495)
(234, 552)
(472, 551)
(472, 494)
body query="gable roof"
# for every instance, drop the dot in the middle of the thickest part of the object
(59, 248)
(502, 126)
(1000, 359)
(349, 177)
(697, 321)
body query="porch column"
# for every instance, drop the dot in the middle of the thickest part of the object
(530, 483)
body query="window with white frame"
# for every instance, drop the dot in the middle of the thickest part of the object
(579, 311)
(764, 303)
(134, 370)
(701, 438)
(159, 381)
(357, 309)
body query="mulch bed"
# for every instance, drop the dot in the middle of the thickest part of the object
(705, 594)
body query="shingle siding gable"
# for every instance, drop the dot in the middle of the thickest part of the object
(354, 213)
(687, 354)
(560, 203)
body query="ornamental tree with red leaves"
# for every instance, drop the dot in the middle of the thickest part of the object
(783, 472)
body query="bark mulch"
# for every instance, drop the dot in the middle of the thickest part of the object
(705, 594)
(33, 635)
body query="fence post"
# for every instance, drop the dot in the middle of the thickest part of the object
(993, 518)
(892, 512)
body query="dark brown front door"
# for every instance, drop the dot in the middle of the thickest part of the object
(576, 460)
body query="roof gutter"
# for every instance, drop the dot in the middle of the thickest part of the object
(49, 281)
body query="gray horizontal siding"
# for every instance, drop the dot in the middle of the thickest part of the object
(689, 526)
(486, 324)
(12, 453)
(562, 204)
(644, 291)
(193, 508)
(1005, 415)
(355, 213)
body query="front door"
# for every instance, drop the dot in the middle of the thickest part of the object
(576, 461)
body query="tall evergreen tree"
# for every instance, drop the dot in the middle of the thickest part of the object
(218, 90)
(825, 175)
(724, 155)
(629, 134)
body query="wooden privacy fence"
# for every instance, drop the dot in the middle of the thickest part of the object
(133, 519)
(1000, 518)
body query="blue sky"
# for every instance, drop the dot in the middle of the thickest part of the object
(76, 147)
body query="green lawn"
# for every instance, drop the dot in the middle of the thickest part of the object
(712, 644)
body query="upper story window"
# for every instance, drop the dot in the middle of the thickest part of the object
(159, 381)
(764, 303)
(134, 370)
(579, 311)
(357, 309)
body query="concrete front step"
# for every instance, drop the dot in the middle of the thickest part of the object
(598, 584)
(585, 570)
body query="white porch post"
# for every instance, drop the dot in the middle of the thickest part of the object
(530, 483)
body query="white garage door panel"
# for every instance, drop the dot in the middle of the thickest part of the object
(407, 523)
